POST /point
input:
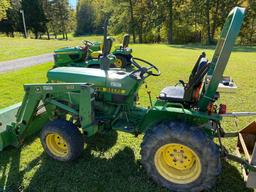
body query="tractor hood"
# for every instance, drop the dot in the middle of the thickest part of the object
(114, 80)
(66, 50)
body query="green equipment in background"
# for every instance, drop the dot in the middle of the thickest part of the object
(178, 151)
(89, 55)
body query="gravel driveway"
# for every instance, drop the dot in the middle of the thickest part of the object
(25, 62)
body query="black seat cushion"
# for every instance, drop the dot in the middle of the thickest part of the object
(172, 93)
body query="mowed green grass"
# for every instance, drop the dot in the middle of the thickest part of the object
(111, 162)
(13, 48)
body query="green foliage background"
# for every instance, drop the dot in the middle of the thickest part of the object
(148, 21)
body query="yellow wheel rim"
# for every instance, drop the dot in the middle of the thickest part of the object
(57, 145)
(118, 63)
(177, 163)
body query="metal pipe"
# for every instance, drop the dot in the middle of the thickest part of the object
(239, 114)
(24, 23)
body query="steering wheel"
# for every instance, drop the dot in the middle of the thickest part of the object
(86, 42)
(145, 71)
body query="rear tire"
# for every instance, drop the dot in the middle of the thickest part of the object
(180, 157)
(62, 140)
(120, 62)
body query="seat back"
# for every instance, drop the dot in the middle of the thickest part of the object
(126, 41)
(194, 85)
(107, 46)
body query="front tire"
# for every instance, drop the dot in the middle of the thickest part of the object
(62, 140)
(180, 157)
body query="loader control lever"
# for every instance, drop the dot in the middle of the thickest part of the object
(145, 71)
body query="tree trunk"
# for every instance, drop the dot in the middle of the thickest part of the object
(158, 40)
(132, 22)
(63, 35)
(223, 12)
(252, 31)
(140, 33)
(170, 30)
(214, 26)
(48, 34)
(36, 35)
(208, 24)
(66, 36)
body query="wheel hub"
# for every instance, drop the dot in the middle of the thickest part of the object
(57, 145)
(177, 163)
(118, 63)
(178, 157)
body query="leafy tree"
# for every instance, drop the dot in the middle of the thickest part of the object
(85, 14)
(4, 6)
(35, 16)
(13, 21)
(248, 33)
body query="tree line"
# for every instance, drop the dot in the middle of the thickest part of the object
(172, 21)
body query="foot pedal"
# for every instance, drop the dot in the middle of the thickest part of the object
(247, 145)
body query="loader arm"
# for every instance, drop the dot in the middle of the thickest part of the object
(221, 55)
(39, 106)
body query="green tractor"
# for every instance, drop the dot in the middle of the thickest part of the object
(122, 51)
(89, 55)
(178, 151)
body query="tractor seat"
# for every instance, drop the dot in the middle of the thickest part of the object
(172, 94)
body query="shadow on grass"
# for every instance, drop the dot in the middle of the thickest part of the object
(97, 172)
(212, 47)
(10, 159)
(230, 180)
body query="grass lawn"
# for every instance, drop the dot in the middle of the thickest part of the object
(111, 162)
(13, 48)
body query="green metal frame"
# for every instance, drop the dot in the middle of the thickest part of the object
(221, 56)
(25, 119)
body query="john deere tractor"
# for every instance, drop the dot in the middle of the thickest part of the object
(90, 53)
(178, 151)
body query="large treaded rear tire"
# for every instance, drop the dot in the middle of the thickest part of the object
(69, 133)
(186, 135)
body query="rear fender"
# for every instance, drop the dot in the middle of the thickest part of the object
(155, 116)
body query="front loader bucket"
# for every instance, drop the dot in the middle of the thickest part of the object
(247, 146)
(7, 121)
